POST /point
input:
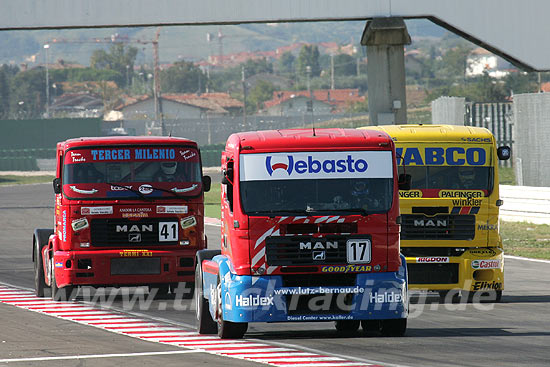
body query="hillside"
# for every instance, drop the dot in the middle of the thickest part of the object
(184, 42)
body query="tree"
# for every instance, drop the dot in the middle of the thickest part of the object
(452, 65)
(309, 56)
(183, 77)
(28, 94)
(253, 67)
(119, 58)
(6, 75)
(262, 91)
(345, 65)
(286, 63)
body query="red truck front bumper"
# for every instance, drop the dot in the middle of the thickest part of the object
(123, 267)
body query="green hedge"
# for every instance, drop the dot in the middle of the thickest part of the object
(211, 155)
(18, 164)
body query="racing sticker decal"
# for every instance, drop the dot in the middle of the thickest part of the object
(96, 210)
(433, 259)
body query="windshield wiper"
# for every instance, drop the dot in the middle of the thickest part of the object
(274, 213)
(169, 191)
(146, 198)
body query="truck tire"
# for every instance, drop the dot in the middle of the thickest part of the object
(40, 240)
(393, 327)
(228, 329)
(205, 323)
(370, 326)
(347, 326)
(60, 294)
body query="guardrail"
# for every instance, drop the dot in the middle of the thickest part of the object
(525, 204)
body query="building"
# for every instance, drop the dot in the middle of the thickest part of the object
(325, 101)
(139, 115)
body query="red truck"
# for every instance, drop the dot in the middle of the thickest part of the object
(129, 211)
(310, 233)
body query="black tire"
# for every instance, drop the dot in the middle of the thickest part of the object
(393, 327)
(40, 240)
(228, 329)
(347, 326)
(204, 322)
(39, 279)
(60, 294)
(370, 326)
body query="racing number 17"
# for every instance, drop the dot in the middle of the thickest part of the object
(358, 251)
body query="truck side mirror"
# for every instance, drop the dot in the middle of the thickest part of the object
(57, 185)
(206, 183)
(504, 153)
(404, 181)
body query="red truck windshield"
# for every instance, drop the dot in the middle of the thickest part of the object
(124, 172)
(307, 197)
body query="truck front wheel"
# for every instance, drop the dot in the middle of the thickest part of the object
(228, 329)
(205, 324)
(39, 280)
(347, 326)
(393, 327)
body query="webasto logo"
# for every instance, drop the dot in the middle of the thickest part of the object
(311, 165)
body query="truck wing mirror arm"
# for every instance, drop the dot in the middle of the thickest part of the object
(404, 181)
(57, 185)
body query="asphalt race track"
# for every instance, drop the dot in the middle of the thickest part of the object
(514, 332)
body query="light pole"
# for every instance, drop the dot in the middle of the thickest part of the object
(46, 47)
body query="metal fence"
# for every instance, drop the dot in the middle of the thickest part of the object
(532, 133)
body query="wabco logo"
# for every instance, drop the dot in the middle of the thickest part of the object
(318, 245)
(134, 228)
(430, 223)
(311, 165)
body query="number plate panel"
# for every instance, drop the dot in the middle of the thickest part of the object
(358, 250)
(168, 231)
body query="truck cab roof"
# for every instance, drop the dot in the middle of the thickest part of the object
(436, 133)
(307, 139)
(122, 140)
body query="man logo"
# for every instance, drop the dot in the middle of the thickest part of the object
(134, 237)
(319, 255)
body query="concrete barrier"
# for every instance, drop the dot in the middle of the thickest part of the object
(525, 204)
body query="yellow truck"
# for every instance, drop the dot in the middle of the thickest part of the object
(449, 203)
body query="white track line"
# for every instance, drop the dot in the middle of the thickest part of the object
(164, 332)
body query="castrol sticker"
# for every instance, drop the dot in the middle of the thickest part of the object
(433, 259)
(485, 264)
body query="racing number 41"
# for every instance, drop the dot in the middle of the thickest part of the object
(358, 251)
(168, 231)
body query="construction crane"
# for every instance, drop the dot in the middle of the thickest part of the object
(115, 38)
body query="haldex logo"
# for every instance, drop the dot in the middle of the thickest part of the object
(242, 301)
(311, 165)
